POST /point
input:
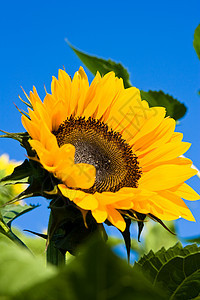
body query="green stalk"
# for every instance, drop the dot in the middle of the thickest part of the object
(54, 255)
(5, 229)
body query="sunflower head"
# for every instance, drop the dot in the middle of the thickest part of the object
(107, 153)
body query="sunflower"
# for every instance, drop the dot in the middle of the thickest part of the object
(112, 154)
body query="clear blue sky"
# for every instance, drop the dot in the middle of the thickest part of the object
(153, 39)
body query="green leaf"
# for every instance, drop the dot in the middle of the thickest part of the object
(174, 108)
(67, 229)
(13, 211)
(176, 269)
(196, 42)
(95, 64)
(195, 239)
(156, 237)
(20, 174)
(8, 214)
(19, 269)
(95, 274)
(40, 181)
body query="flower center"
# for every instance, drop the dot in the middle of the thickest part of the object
(116, 165)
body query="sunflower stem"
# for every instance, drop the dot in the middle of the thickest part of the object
(53, 254)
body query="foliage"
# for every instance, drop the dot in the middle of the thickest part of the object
(95, 64)
(155, 236)
(196, 42)
(19, 269)
(96, 273)
(177, 270)
(174, 108)
(8, 213)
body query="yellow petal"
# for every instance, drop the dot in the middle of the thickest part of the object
(175, 203)
(33, 129)
(105, 93)
(100, 214)
(127, 110)
(83, 87)
(151, 123)
(164, 153)
(159, 136)
(165, 177)
(92, 91)
(107, 198)
(124, 204)
(186, 192)
(81, 176)
(115, 218)
(80, 198)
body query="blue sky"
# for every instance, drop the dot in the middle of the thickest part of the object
(153, 39)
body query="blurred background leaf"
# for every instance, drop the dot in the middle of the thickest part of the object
(8, 213)
(153, 237)
(196, 42)
(35, 244)
(19, 269)
(94, 274)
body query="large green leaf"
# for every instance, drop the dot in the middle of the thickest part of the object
(196, 42)
(95, 64)
(19, 270)
(95, 274)
(174, 108)
(176, 269)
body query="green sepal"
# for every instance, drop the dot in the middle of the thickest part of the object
(127, 237)
(19, 136)
(68, 230)
(140, 222)
(154, 218)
